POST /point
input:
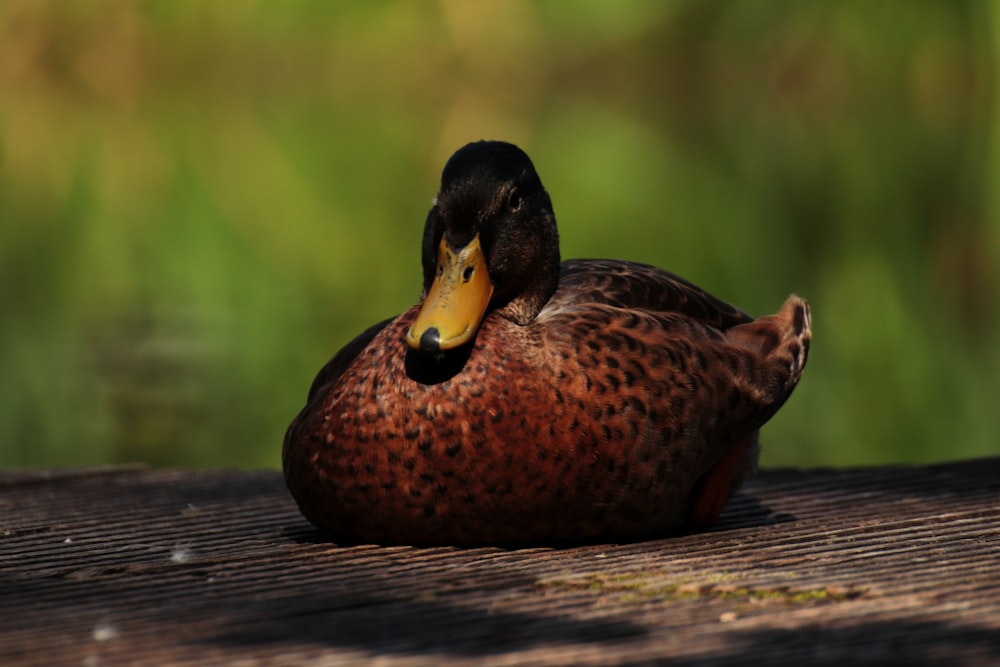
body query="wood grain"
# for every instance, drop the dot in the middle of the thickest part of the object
(129, 566)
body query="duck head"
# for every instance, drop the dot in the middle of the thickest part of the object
(490, 246)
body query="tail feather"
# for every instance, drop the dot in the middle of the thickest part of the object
(783, 338)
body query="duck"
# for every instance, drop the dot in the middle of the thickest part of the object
(530, 400)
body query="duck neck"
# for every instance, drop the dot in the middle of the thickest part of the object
(533, 296)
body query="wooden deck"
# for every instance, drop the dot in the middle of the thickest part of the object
(125, 566)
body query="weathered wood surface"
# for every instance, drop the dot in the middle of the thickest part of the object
(893, 565)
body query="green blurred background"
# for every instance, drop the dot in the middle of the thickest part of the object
(200, 202)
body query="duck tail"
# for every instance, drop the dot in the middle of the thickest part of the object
(795, 323)
(779, 344)
(783, 339)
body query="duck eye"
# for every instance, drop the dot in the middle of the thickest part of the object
(514, 202)
(467, 274)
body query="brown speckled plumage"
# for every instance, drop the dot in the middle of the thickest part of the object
(627, 406)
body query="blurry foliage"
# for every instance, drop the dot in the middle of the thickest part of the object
(200, 202)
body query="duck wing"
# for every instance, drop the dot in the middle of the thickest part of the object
(341, 361)
(631, 285)
(728, 372)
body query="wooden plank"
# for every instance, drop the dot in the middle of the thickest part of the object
(129, 566)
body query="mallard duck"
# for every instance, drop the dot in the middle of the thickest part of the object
(529, 400)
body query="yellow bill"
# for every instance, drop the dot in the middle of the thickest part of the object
(456, 301)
